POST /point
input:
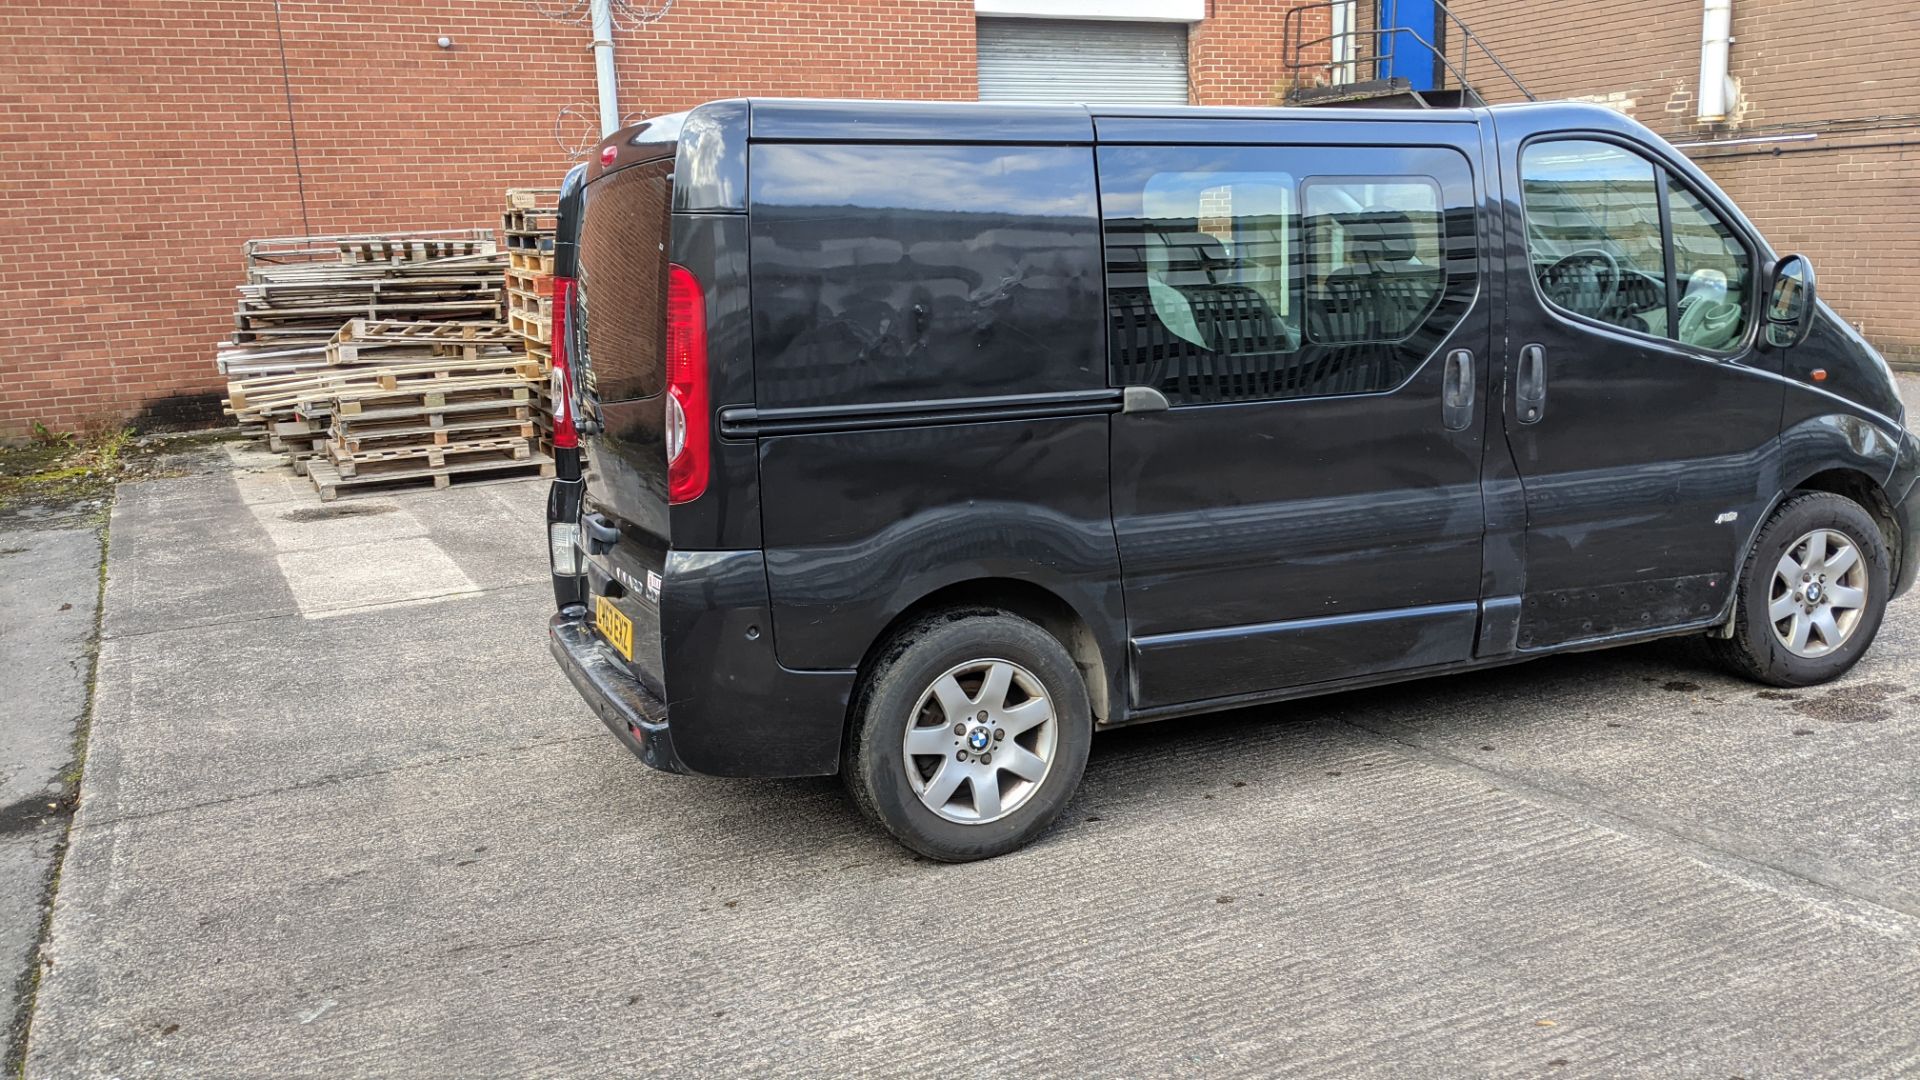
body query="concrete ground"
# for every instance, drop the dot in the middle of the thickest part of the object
(343, 816)
(49, 593)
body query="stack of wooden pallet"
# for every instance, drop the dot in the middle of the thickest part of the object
(526, 229)
(402, 403)
(300, 290)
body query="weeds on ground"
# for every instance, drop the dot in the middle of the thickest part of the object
(63, 468)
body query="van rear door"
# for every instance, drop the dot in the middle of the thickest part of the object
(618, 323)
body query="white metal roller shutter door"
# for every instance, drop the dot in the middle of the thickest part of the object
(1109, 63)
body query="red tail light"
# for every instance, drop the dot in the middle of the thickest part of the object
(565, 436)
(689, 442)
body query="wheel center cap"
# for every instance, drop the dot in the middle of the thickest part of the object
(979, 737)
(1813, 593)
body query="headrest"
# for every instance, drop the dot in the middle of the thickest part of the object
(1380, 237)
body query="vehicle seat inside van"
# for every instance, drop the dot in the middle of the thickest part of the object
(1383, 292)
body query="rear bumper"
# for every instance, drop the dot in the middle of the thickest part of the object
(635, 717)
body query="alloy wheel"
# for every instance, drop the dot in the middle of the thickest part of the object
(1819, 593)
(981, 740)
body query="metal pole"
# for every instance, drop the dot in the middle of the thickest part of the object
(603, 66)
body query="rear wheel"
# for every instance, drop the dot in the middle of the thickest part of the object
(1812, 593)
(969, 735)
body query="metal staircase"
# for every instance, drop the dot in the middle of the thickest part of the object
(1358, 66)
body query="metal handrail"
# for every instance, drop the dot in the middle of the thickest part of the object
(1491, 55)
(1294, 45)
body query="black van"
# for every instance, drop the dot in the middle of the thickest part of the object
(921, 441)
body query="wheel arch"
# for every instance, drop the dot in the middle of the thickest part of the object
(1857, 486)
(1846, 481)
(1096, 660)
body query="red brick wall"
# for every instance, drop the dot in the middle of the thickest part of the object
(1238, 55)
(142, 141)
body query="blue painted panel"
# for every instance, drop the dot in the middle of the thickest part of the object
(1405, 55)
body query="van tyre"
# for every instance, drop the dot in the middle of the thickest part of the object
(1811, 595)
(969, 735)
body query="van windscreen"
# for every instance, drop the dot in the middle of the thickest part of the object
(621, 296)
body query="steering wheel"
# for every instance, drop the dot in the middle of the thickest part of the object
(1585, 281)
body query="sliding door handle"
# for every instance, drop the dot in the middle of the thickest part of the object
(1457, 390)
(1530, 385)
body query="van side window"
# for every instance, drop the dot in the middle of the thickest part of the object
(1598, 250)
(1374, 254)
(1593, 232)
(1714, 274)
(1217, 253)
(1252, 273)
(901, 273)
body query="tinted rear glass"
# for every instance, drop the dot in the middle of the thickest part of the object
(623, 280)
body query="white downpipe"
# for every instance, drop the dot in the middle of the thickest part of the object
(603, 66)
(1716, 44)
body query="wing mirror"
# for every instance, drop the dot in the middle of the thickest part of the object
(1790, 302)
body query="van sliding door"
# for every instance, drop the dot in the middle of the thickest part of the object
(1307, 510)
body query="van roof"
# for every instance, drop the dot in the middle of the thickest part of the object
(971, 121)
(714, 135)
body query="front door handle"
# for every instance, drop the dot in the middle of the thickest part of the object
(1530, 387)
(1457, 390)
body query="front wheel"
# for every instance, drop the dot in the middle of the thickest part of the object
(969, 735)
(1811, 595)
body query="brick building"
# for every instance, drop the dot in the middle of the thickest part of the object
(1821, 147)
(146, 139)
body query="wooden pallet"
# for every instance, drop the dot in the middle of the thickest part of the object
(467, 339)
(373, 249)
(528, 198)
(477, 468)
(429, 399)
(530, 219)
(538, 328)
(531, 262)
(420, 432)
(436, 415)
(529, 303)
(529, 281)
(287, 250)
(434, 455)
(528, 241)
(260, 398)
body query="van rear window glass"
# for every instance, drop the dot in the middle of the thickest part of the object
(1237, 273)
(621, 306)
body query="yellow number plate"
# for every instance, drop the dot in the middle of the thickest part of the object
(615, 627)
